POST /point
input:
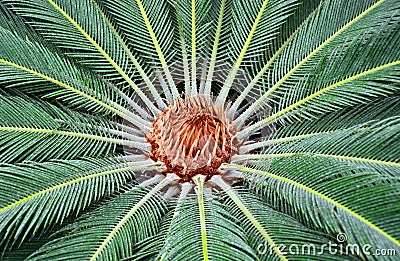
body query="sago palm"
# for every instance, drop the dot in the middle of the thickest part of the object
(199, 129)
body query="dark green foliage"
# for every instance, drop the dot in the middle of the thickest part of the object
(314, 86)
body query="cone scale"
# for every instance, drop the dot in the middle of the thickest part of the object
(193, 136)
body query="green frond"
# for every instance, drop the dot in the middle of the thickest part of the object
(374, 142)
(253, 220)
(377, 110)
(35, 130)
(339, 43)
(14, 23)
(306, 101)
(148, 27)
(224, 238)
(33, 68)
(258, 84)
(254, 27)
(128, 18)
(362, 128)
(93, 46)
(331, 97)
(222, 20)
(300, 11)
(111, 231)
(150, 248)
(260, 21)
(348, 70)
(324, 193)
(299, 241)
(25, 249)
(136, 62)
(36, 196)
(193, 21)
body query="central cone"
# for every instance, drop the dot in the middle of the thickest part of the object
(192, 136)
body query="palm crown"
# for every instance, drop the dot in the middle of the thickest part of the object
(199, 130)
